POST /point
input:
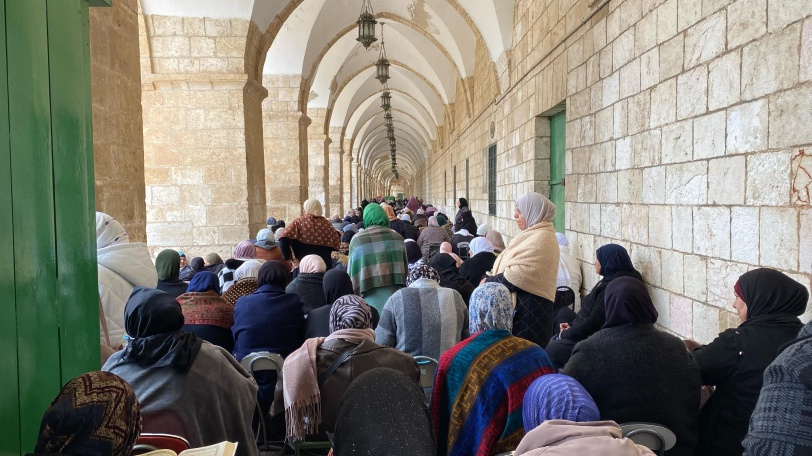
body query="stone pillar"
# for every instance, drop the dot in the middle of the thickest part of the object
(347, 179)
(335, 176)
(285, 130)
(203, 140)
(318, 145)
(118, 134)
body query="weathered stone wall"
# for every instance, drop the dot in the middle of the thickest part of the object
(118, 140)
(687, 140)
(204, 154)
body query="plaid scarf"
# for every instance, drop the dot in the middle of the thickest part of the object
(377, 259)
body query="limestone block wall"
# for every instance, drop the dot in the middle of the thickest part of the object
(318, 145)
(687, 140)
(204, 153)
(118, 140)
(284, 128)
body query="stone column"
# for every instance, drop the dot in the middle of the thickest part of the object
(318, 145)
(335, 176)
(202, 135)
(118, 133)
(346, 179)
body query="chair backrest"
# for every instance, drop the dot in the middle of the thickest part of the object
(462, 247)
(434, 248)
(428, 367)
(262, 361)
(150, 442)
(656, 437)
(506, 453)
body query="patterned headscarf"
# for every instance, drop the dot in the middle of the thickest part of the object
(313, 207)
(490, 307)
(557, 397)
(95, 413)
(245, 250)
(350, 312)
(109, 231)
(535, 208)
(312, 264)
(422, 271)
(479, 245)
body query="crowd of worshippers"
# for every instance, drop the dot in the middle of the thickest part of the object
(525, 363)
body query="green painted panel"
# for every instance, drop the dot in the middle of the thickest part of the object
(33, 212)
(72, 137)
(558, 124)
(9, 388)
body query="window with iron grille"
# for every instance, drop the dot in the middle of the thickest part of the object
(492, 179)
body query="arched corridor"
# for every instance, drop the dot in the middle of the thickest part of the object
(677, 129)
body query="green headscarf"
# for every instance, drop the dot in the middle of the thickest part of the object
(375, 215)
(441, 219)
(168, 265)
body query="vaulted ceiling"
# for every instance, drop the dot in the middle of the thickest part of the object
(430, 44)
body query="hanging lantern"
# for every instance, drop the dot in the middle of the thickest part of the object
(386, 99)
(387, 119)
(382, 65)
(391, 135)
(366, 25)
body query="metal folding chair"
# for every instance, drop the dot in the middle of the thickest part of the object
(655, 437)
(428, 368)
(261, 362)
(150, 442)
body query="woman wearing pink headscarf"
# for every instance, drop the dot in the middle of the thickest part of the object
(309, 282)
(243, 252)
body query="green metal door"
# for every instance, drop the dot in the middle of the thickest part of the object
(49, 332)
(558, 124)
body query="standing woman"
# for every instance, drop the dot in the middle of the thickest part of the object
(310, 234)
(768, 304)
(529, 268)
(464, 219)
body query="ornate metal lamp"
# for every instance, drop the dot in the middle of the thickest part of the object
(386, 99)
(387, 119)
(382, 65)
(366, 25)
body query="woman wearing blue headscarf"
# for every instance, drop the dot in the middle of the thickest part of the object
(205, 312)
(612, 261)
(557, 397)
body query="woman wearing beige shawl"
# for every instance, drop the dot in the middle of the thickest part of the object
(528, 267)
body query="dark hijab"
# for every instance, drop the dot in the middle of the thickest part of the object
(771, 295)
(336, 283)
(153, 320)
(463, 203)
(95, 414)
(204, 281)
(347, 236)
(413, 252)
(168, 265)
(384, 412)
(443, 263)
(198, 263)
(613, 259)
(628, 303)
(273, 273)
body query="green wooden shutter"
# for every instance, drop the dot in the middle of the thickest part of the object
(558, 124)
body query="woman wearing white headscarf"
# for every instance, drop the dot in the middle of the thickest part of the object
(569, 269)
(123, 265)
(529, 268)
(480, 260)
(245, 281)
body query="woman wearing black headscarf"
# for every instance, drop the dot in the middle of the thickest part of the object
(269, 319)
(768, 304)
(337, 284)
(612, 262)
(450, 276)
(384, 412)
(175, 373)
(464, 219)
(636, 373)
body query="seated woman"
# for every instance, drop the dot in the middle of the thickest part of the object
(529, 268)
(337, 283)
(383, 412)
(245, 281)
(205, 313)
(557, 397)
(430, 235)
(312, 394)
(308, 283)
(213, 263)
(423, 319)
(268, 320)
(768, 304)
(244, 251)
(480, 260)
(495, 238)
(481, 381)
(450, 276)
(266, 248)
(176, 372)
(612, 261)
(95, 413)
(637, 373)
(413, 254)
(569, 273)
(168, 266)
(310, 234)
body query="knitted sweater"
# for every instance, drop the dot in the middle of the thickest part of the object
(423, 320)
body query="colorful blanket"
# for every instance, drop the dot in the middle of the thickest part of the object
(478, 391)
(377, 259)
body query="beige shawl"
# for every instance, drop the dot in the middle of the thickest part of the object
(531, 260)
